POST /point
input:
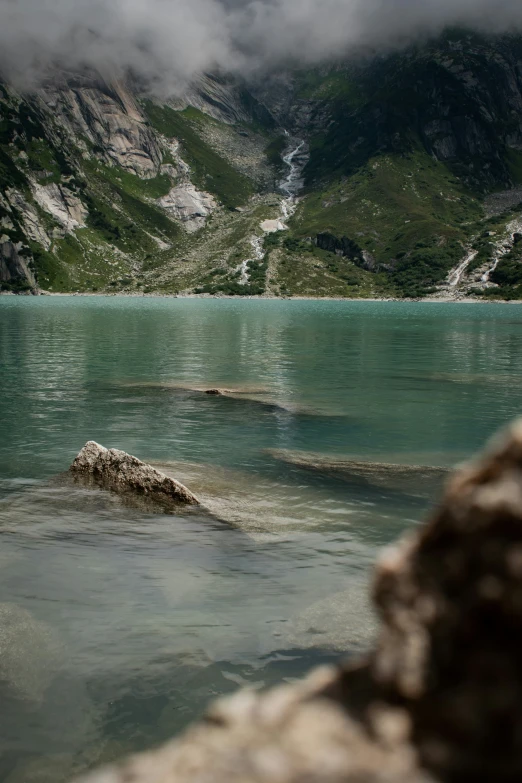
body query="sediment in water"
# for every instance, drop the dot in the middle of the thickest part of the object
(341, 622)
(255, 504)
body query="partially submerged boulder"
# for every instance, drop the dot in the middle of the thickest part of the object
(439, 699)
(124, 473)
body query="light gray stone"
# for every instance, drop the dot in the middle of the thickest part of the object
(186, 203)
(62, 204)
(124, 473)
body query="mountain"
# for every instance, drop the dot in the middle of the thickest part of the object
(408, 168)
(409, 148)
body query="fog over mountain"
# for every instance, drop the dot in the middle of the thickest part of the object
(165, 42)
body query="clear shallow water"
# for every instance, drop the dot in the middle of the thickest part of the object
(116, 624)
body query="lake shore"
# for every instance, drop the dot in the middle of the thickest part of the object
(136, 295)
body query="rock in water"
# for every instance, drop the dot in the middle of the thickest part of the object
(123, 473)
(439, 699)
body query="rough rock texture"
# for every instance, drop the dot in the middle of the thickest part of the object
(62, 204)
(186, 203)
(126, 474)
(343, 247)
(294, 733)
(13, 266)
(225, 99)
(30, 219)
(440, 699)
(108, 116)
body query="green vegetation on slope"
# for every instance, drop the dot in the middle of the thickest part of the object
(210, 171)
(143, 189)
(508, 274)
(407, 211)
(403, 150)
(334, 83)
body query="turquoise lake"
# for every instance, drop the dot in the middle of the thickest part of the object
(118, 623)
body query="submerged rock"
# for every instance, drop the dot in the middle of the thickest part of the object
(30, 653)
(246, 389)
(257, 395)
(439, 699)
(123, 473)
(344, 622)
(264, 508)
(390, 476)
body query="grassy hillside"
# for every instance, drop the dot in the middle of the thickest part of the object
(404, 149)
(409, 213)
(210, 171)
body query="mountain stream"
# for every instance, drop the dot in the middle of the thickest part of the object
(295, 158)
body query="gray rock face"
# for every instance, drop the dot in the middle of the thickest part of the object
(32, 224)
(186, 203)
(13, 266)
(344, 246)
(62, 204)
(108, 116)
(123, 473)
(224, 99)
(471, 129)
(439, 699)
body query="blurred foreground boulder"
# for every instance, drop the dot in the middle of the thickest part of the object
(441, 696)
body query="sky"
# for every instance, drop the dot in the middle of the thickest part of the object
(168, 42)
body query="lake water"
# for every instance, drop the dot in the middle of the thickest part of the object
(117, 623)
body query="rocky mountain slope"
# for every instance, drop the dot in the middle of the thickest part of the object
(408, 169)
(408, 148)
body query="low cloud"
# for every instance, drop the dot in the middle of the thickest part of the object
(167, 42)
